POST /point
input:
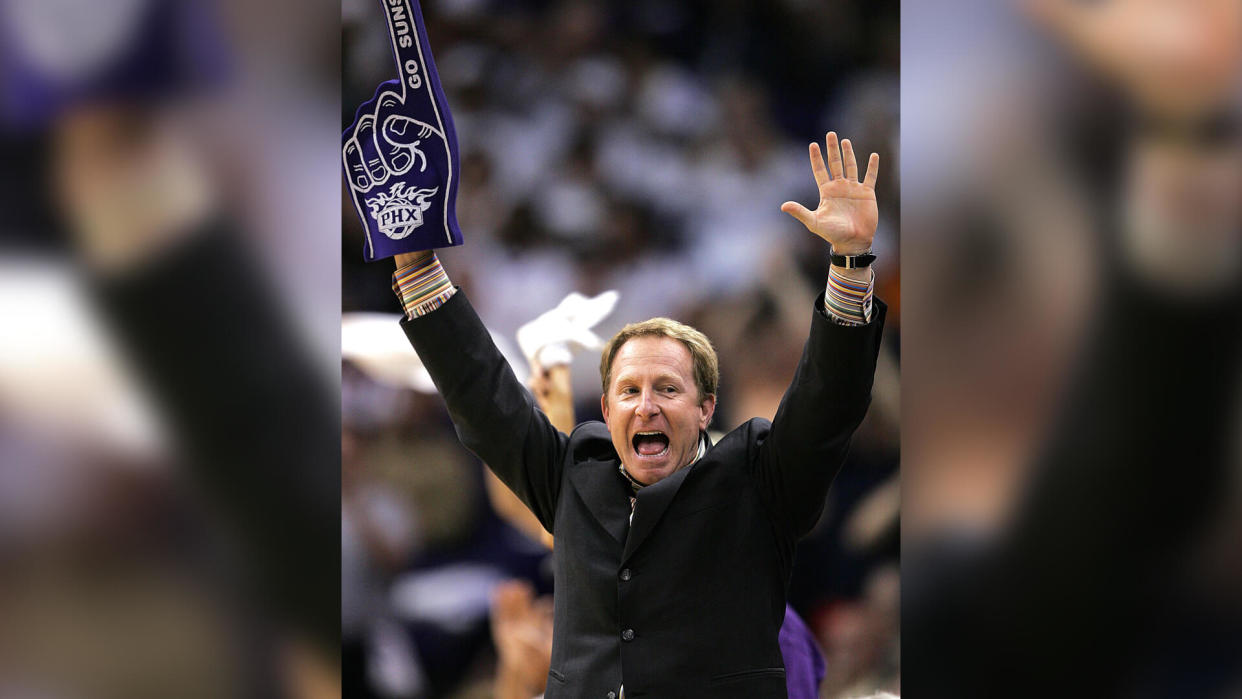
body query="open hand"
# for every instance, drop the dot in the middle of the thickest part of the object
(847, 214)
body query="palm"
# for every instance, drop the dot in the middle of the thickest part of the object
(847, 214)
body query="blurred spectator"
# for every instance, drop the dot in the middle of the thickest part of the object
(177, 424)
(1072, 398)
(522, 632)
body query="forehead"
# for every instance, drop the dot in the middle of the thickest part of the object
(653, 354)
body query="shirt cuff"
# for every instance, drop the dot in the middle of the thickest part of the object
(849, 301)
(422, 286)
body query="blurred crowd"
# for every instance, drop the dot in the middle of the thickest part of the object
(644, 147)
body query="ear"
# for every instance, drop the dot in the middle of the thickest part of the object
(708, 408)
(603, 406)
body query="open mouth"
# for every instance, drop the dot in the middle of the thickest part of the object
(651, 444)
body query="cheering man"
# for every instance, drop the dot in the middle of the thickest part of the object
(673, 552)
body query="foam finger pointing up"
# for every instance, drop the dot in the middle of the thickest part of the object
(405, 42)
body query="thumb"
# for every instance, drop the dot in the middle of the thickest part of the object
(799, 212)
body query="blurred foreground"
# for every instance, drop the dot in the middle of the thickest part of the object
(168, 397)
(1073, 185)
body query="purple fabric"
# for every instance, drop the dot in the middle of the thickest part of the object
(54, 56)
(804, 664)
(400, 153)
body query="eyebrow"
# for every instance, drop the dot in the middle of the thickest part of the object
(664, 376)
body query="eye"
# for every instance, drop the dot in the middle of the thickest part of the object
(629, 390)
(670, 389)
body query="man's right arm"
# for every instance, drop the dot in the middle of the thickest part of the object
(552, 392)
(496, 418)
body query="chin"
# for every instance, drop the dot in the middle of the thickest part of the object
(648, 474)
(649, 471)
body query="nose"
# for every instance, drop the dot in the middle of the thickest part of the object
(647, 407)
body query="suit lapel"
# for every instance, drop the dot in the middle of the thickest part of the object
(652, 502)
(605, 493)
(607, 497)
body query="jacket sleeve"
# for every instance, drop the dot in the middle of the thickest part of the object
(829, 395)
(495, 416)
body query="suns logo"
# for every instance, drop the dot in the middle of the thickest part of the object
(398, 212)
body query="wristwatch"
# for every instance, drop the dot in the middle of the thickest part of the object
(859, 261)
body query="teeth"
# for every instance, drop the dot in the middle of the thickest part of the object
(649, 434)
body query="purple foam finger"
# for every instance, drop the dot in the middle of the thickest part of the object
(405, 139)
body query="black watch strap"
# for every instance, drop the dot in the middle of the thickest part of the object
(853, 261)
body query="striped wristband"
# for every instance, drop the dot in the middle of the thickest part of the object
(849, 301)
(422, 286)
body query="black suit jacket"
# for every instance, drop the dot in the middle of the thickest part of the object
(688, 600)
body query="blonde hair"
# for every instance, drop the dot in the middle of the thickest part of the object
(706, 366)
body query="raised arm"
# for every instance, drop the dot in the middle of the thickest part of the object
(847, 214)
(496, 418)
(402, 168)
(831, 389)
(551, 387)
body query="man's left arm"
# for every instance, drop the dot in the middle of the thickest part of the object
(831, 389)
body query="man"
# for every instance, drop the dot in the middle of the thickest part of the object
(521, 631)
(673, 553)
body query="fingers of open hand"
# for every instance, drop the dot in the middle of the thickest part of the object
(834, 155)
(837, 178)
(851, 164)
(847, 165)
(817, 166)
(800, 212)
(873, 170)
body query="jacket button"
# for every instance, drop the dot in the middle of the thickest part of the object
(626, 575)
(627, 635)
(612, 695)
